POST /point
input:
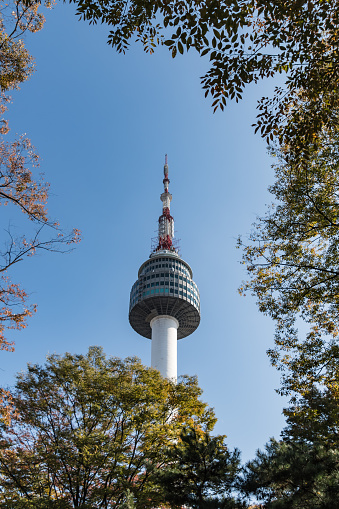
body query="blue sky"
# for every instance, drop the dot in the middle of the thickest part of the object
(102, 123)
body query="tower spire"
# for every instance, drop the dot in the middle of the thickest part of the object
(166, 221)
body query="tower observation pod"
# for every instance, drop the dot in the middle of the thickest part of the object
(164, 301)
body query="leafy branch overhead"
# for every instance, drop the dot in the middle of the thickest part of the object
(245, 41)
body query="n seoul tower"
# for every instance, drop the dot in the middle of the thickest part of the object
(164, 301)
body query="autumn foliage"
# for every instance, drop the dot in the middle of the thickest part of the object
(87, 430)
(20, 185)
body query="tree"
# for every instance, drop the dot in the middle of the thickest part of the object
(302, 469)
(201, 472)
(292, 263)
(16, 18)
(293, 476)
(18, 187)
(313, 418)
(18, 163)
(90, 431)
(128, 502)
(246, 41)
(16, 64)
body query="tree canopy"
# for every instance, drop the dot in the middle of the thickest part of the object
(302, 469)
(292, 264)
(294, 476)
(245, 41)
(314, 417)
(201, 472)
(90, 431)
(17, 64)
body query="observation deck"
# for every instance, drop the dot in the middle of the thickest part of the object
(165, 286)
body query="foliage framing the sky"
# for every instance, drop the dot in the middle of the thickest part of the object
(292, 263)
(19, 185)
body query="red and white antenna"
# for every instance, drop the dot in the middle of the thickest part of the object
(166, 221)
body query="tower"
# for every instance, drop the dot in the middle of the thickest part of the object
(164, 301)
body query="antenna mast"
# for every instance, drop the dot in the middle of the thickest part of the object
(166, 221)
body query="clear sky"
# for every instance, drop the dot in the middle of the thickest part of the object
(102, 123)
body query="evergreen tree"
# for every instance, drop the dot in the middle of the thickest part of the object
(294, 475)
(201, 472)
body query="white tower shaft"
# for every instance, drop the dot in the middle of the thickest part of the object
(164, 345)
